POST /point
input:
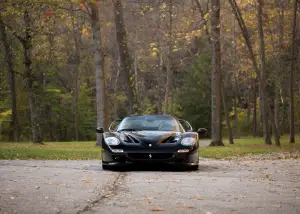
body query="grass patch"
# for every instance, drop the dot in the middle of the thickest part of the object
(88, 150)
(50, 151)
(249, 145)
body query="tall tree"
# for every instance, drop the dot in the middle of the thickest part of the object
(236, 128)
(292, 117)
(216, 76)
(238, 15)
(99, 72)
(263, 74)
(280, 68)
(125, 59)
(76, 37)
(168, 91)
(11, 79)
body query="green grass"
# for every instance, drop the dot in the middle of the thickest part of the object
(249, 145)
(88, 150)
(50, 151)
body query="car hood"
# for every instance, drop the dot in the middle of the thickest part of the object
(151, 136)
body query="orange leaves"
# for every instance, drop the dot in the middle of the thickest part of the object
(84, 4)
(86, 32)
(49, 13)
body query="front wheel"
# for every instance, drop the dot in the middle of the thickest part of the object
(106, 167)
(193, 167)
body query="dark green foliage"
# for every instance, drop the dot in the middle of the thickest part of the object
(194, 93)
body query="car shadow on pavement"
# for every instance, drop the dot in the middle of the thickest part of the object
(162, 168)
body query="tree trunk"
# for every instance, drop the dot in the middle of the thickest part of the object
(249, 104)
(236, 128)
(203, 19)
(125, 60)
(116, 89)
(278, 71)
(246, 36)
(168, 92)
(136, 76)
(238, 15)
(263, 75)
(230, 137)
(32, 87)
(216, 78)
(160, 79)
(100, 83)
(77, 83)
(254, 120)
(292, 122)
(12, 84)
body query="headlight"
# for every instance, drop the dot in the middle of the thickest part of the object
(112, 141)
(188, 141)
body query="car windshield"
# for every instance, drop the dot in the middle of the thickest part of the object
(155, 123)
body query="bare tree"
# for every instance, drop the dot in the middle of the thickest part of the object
(125, 59)
(76, 38)
(238, 15)
(230, 136)
(100, 83)
(292, 119)
(263, 75)
(168, 91)
(11, 79)
(216, 77)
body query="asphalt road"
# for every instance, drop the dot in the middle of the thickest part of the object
(83, 187)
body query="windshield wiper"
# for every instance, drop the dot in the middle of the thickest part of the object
(130, 130)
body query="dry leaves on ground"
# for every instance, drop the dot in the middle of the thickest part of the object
(157, 209)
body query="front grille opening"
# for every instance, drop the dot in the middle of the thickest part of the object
(150, 156)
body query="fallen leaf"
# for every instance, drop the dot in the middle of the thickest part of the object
(147, 199)
(198, 198)
(189, 207)
(89, 180)
(267, 176)
(12, 198)
(37, 187)
(157, 209)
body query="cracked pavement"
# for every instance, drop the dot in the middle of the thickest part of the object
(252, 186)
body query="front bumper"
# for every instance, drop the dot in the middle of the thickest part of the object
(188, 158)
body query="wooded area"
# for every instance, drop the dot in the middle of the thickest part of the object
(68, 67)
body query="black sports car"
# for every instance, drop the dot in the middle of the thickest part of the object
(150, 139)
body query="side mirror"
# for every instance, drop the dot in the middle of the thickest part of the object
(203, 132)
(99, 130)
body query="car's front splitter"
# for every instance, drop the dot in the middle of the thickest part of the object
(190, 158)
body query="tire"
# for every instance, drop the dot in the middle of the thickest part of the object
(193, 167)
(106, 167)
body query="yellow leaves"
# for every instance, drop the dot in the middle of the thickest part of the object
(152, 44)
(5, 113)
(175, 49)
(153, 49)
(206, 16)
(163, 6)
(188, 21)
(85, 32)
(108, 24)
(200, 198)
